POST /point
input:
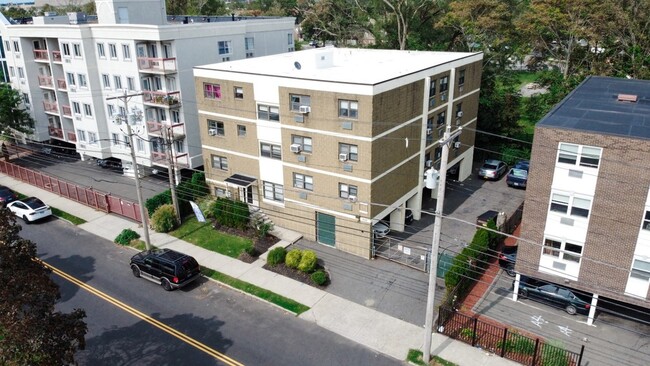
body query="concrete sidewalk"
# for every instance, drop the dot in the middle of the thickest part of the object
(358, 323)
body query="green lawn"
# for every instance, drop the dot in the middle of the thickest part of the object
(203, 235)
(526, 77)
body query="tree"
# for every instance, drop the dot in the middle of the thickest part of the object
(31, 331)
(403, 16)
(13, 117)
(333, 20)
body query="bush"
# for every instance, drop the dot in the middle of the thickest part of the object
(163, 198)
(231, 213)
(126, 236)
(276, 256)
(308, 261)
(319, 277)
(293, 258)
(164, 219)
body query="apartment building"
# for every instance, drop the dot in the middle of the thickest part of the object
(328, 141)
(586, 220)
(66, 68)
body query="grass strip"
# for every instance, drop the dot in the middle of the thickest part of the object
(202, 234)
(415, 356)
(272, 297)
(66, 216)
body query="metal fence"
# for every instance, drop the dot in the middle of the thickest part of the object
(504, 342)
(408, 254)
(88, 196)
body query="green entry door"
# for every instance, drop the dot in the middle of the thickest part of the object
(325, 229)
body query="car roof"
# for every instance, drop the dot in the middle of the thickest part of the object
(493, 161)
(33, 202)
(168, 254)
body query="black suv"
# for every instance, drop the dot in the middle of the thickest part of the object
(166, 267)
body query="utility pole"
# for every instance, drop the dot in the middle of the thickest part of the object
(143, 212)
(437, 226)
(168, 134)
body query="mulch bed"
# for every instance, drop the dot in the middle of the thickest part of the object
(294, 274)
(261, 245)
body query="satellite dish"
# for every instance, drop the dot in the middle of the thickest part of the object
(297, 65)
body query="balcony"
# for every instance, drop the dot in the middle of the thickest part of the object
(45, 81)
(41, 55)
(51, 107)
(160, 158)
(72, 137)
(61, 84)
(56, 56)
(162, 99)
(66, 110)
(157, 65)
(155, 127)
(55, 132)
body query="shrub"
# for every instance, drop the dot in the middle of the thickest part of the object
(319, 277)
(293, 258)
(308, 261)
(276, 256)
(231, 213)
(163, 198)
(517, 343)
(264, 228)
(126, 236)
(467, 333)
(164, 219)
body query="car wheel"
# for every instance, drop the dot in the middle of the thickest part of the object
(166, 285)
(570, 309)
(26, 219)
(136, 271)
(510, 271)
(523, 293)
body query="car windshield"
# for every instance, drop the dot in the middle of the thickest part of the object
(34, 203)
(519, 173)
(489, 166)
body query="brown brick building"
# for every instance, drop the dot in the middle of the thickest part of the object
(328, 141)
(586, 222)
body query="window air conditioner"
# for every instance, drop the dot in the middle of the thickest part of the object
(295, 148)
(78, 118)
(457, 145)
(428, 163)
(443, 97)
(343, 157)
(304, 109)
(212, 132)
(429, 131)
(352, 198)
(459, 114)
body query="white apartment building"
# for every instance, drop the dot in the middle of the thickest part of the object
(67, 68)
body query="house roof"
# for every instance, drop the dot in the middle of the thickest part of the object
(594, 106)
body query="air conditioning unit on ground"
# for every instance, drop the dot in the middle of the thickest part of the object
(295, 148)
(457, 145)
(429, 131)
(459, 114)
(352, 198)
(212, 132)
(304, 109)
(343, 157)
(428, 163)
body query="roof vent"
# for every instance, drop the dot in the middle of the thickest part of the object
(627, 98)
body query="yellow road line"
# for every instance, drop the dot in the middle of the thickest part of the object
(162, 326)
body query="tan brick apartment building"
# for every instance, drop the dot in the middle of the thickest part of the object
(328, 141)
(586, 221)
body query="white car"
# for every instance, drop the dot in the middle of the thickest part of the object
(30, 209)
(380, 230)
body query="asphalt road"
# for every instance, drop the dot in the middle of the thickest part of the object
(611, 341)
(243, 328)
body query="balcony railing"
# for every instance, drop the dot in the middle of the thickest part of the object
(155, 127)
(72, 137)
(61, 84)
(161, 98)
(157, 65)
(160, 158)
(55, 132)
(45, 81)
(67, 111)
(41, 55)
(56, 56)
(50, 107)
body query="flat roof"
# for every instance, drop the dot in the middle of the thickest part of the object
(343, 65)
(594, 106)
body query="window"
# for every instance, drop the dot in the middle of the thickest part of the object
(568, 154)
(111, 110)
(241, 130)
(126, 51)
(461, 77)
(303, 181)
(130, 83)
(580, 207)
(441, 118)
(139, 143)
(106, 81)
(12, 71)
(217, 127)
(21, 72)
(646, 221)
(92, 138)
(180, 146)
(267, 112)
(88, 111)
(574, 206)
(26, 99)
(7, 46)
(432, 93)
(587, 156)
(640, 269)
(81, 135)
(346, 190)
(118, 81)
(305, 142)
(220, 192)
(115, 138)
(212, 91)
(290, 39)
(112, 48)
(299, 100)
(16, 47)
(76, 48)
(274, 191)
(101, 52)
(219, 162)
(571, 252)
(82, 80)
(559, 203)
(126, 140)
(351, 150)
(71, 79)
(250, 46)
(590, 156)
(444, 84)
(459, 109)
(348, 109)
(551, 247)
(270, 151)
(224, 47)
(239, 92)
(66, 49)
(76, 108)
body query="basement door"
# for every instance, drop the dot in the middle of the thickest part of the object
(325, 229)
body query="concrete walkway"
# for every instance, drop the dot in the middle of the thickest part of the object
(358, 323)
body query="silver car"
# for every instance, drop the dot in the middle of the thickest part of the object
(380, 230)
(492, 169)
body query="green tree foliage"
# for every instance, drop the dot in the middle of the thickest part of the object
(32, 332)
(231, 213)
(13, 117)
(164, 219)
(308, 261)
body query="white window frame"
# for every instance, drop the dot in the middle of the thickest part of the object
(268, 113)
(106, 80)
(575, 205)
(65, 49)
(71, 79)
(139, 143)
(241, 130)
(88, 110)
(76, 108)
(76, 49)
(273, 191)
(92, 138)
(130, 83)
(101, 50)
(579, 155)
(126, 52)
(81, 135)
(219, 126)
(219, 162)
(351, 150)
(347, 190)
(348, 109)
(303, 181)
(83, 82)
(112, 49)
(224, 47)
(304, 141)
(117, 79)
(562, 252)
(271, 151)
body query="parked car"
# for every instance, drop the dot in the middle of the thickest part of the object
(110, 163)
(408, 217)
(553, 295)
(492, 169)
(380, 230)
(517, 177)
(7, 196)
(507, 259)
(166, 267)
(486, 216)
(30, 209)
